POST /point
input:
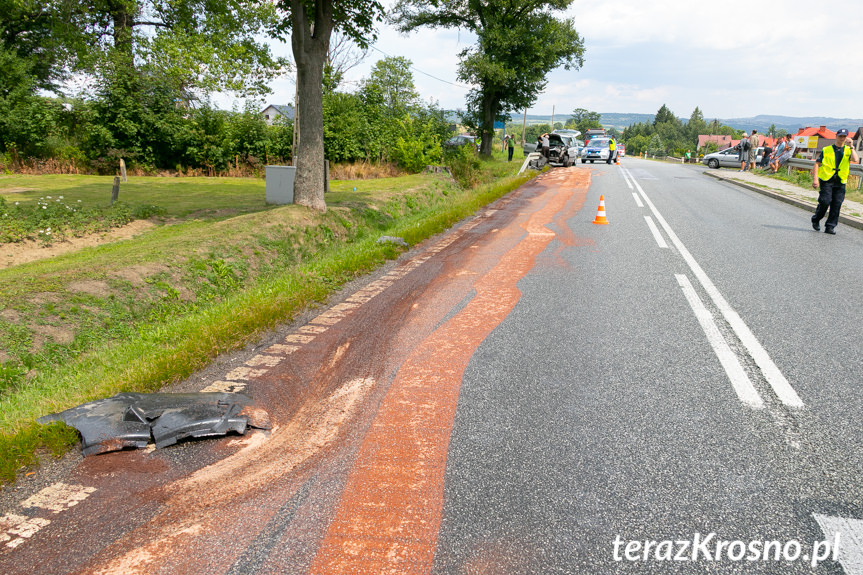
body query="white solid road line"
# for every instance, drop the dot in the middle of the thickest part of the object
(850, 540)
(655, 231)
(628, 183)
(739, 380)
(772, 374)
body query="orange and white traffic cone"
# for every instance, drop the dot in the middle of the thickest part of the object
(600, 213)
(617, 160)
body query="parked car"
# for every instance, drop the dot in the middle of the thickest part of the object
(728, 158)
(596, 149)
(460, 140)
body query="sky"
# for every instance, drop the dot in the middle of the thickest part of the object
(731, 60)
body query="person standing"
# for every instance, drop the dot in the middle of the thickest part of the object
(753, 149)
(611, 147)
(511, 146)
(829, 176)
(743, 151)
(545, 144)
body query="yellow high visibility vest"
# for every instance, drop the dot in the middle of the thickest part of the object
(828, 165)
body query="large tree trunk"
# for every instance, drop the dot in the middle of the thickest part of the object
(310, 40)
(487, 128)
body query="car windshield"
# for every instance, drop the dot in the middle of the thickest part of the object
(599, 143)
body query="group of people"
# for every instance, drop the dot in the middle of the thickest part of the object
(747, 150)
(785, 150)
(771, 158)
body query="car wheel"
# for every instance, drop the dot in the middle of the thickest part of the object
(591, 161)
(713, 163)
(583, 161)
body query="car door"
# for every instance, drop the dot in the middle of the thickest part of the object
(730, 158)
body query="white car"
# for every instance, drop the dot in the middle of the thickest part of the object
(728, 158)
(596, 149)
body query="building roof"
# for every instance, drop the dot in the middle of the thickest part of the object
(284, 109)
(821, 132)
(721, 141)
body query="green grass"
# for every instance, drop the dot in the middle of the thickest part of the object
(181, 197)
(141, 313)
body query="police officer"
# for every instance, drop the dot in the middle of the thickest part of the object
(830, 174)
(611, 147)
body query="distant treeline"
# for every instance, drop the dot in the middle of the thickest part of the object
(152, 128)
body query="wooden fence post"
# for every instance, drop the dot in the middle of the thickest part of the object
(115, 191)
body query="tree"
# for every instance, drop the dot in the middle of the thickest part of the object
(311, 24)
(196, 46)
(342, 55)
(518, 43)
(584, 120)
(696, 125)
(664, 116)
(656, 147)
(32, 32)
(392, 84)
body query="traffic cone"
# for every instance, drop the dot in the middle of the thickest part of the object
(617, 160)
(600, 213)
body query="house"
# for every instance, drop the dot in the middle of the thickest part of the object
(274, 111)
(810, 141)
(721, 142)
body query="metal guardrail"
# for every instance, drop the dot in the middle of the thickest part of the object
(801, 164)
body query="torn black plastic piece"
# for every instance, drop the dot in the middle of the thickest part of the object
(130, 419)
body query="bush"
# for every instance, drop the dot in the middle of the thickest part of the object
(463, 164)
(418, 146)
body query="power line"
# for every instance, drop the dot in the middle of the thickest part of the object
(415, 69)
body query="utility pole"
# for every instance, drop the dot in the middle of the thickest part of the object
(523, 124)
(552, 118)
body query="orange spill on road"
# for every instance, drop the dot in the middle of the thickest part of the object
(390, 512)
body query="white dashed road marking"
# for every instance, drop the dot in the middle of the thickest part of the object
(16, 529)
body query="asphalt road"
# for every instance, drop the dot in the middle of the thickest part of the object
(674, 392)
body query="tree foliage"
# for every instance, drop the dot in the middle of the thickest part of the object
(518, 43)
(668, 135)
(584, 120)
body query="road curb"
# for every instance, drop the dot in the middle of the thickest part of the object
(806, 205)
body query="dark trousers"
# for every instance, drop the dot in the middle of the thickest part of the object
(831, 195)
(511, 150)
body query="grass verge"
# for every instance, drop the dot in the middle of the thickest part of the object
(147, 312)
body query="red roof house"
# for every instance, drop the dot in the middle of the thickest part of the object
(721, 142)
(810, 141)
